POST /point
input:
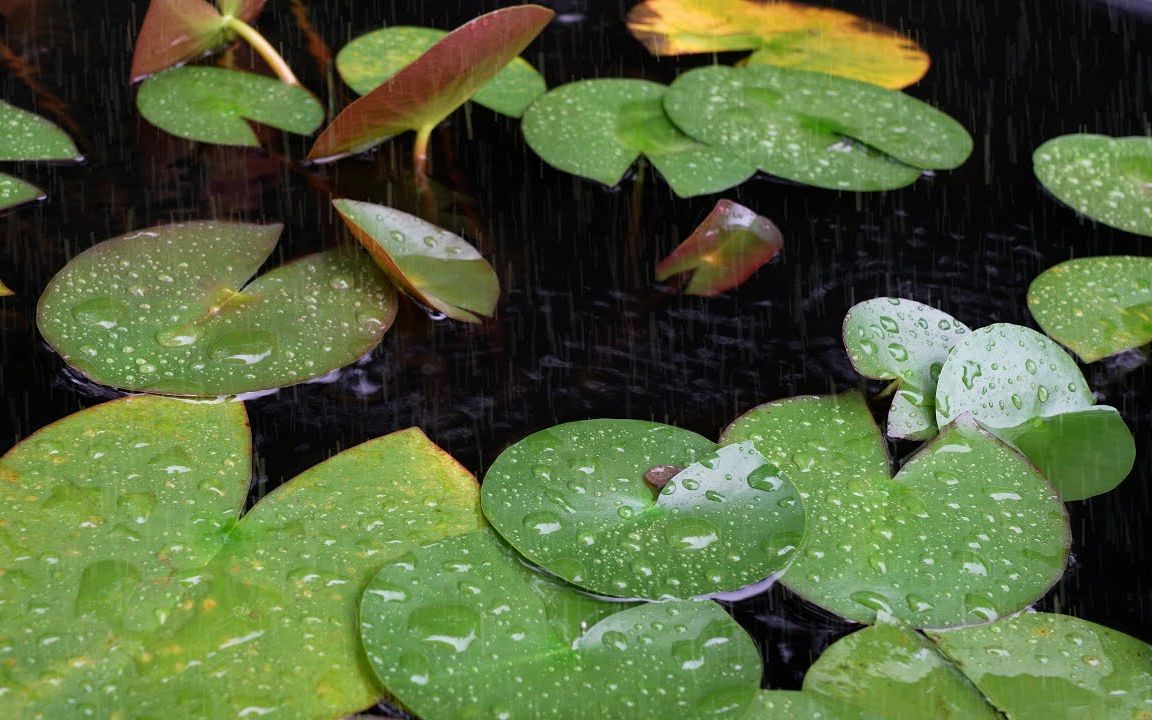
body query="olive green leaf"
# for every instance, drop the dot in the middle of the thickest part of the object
(967, 531)
(215, 105)
(574, 500)
(906, 342)
(166, 310)
(1024, 388)
(1107, 179)
(794, 705)
(370, 59)
(463, 629)
(598, 128)
(29, 137)
(14, 191)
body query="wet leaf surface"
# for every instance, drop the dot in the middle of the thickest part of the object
(816, 129)
(28, 137)
(440, 270)
(215, 105)
(966, 532)
(1107, 179)
(786, 34)
(370, 59)
(598, 128)
(573, 499)
(166, 310)
(14, 191)
(463, 629)
(795, 705)
(176, 31)
(730, 245)
(907, 342)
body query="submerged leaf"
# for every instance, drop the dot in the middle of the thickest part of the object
(462, 629)
(167, 310)
(1108, 179)
(437, 268)
(370, 59)
(904, 546)
(176, 31)
(724, 251)
(215, 105)
(574, 500)
(786, 34)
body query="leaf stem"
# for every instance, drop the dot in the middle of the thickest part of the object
(891, 388)
(263, 48)
(420, 149)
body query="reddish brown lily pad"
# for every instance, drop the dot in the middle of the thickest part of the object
(732, 243)
(176, 31)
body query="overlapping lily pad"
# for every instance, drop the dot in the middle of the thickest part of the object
(574, 500)
(166, 310)
(176, 31)
(1027, 390)
(598, 128)
(795, 705)
(440, 270)
(125, 564)
(786, 34)
(371, 59)
(29, 137)
(906, 342)
(816, 129)
(1108, 179)
(215, 105)
(966, 532)
(724, 251)
(1096, 306)
(462, 629)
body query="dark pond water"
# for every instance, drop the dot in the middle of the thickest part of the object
(582, 331)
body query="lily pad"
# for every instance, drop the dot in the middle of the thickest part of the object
(430, 88)
(906, 342)
(786, 34)
(215, 105)
(29, 137)
(5, 291)
(795, 705)
(1096, 306)
(816, 129)
(573, 499)
(370, 59)
(1041, 666)
(176, 31)
(440, 270)
(889, 666)
(166, 310)
(1107, 179)
(730, 245)
(1026, 389)
(462, 629)
(14, 191)
(966, 532)
(598, 128)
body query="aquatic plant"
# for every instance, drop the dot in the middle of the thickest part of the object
(1107, 179)
(29, 137)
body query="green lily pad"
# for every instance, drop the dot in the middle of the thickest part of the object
(730, 245)
(176, 31)
(370, 59)
(1107, 179)
(215, 105)
(598, 128)
(166, 310)
(1041, 666)
(1096, 306)
(966, 532)
(794, 705)
(462, 629)
(573, 499)
(14, 191)
(440, 270)
(1021, 385)
(888, 666)
(29, 137)
(816, 129)
(906, 342)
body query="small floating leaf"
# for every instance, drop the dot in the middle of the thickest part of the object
(1021, 385)
(907, 342)
(370, 59)
(598, 128)
(430, 88)
(786, 34)
(816, 129)
(967, 531)
(176, 31)
(28, 136)
(1096, 306)
(574, 500)
(437, 268)
(14, 191)
(462, 629)
(5, 291)
(215, 105)
(166, 310)
(731, 244)
(1107, 179)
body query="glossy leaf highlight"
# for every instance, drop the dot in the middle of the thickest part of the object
(1107, 179)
